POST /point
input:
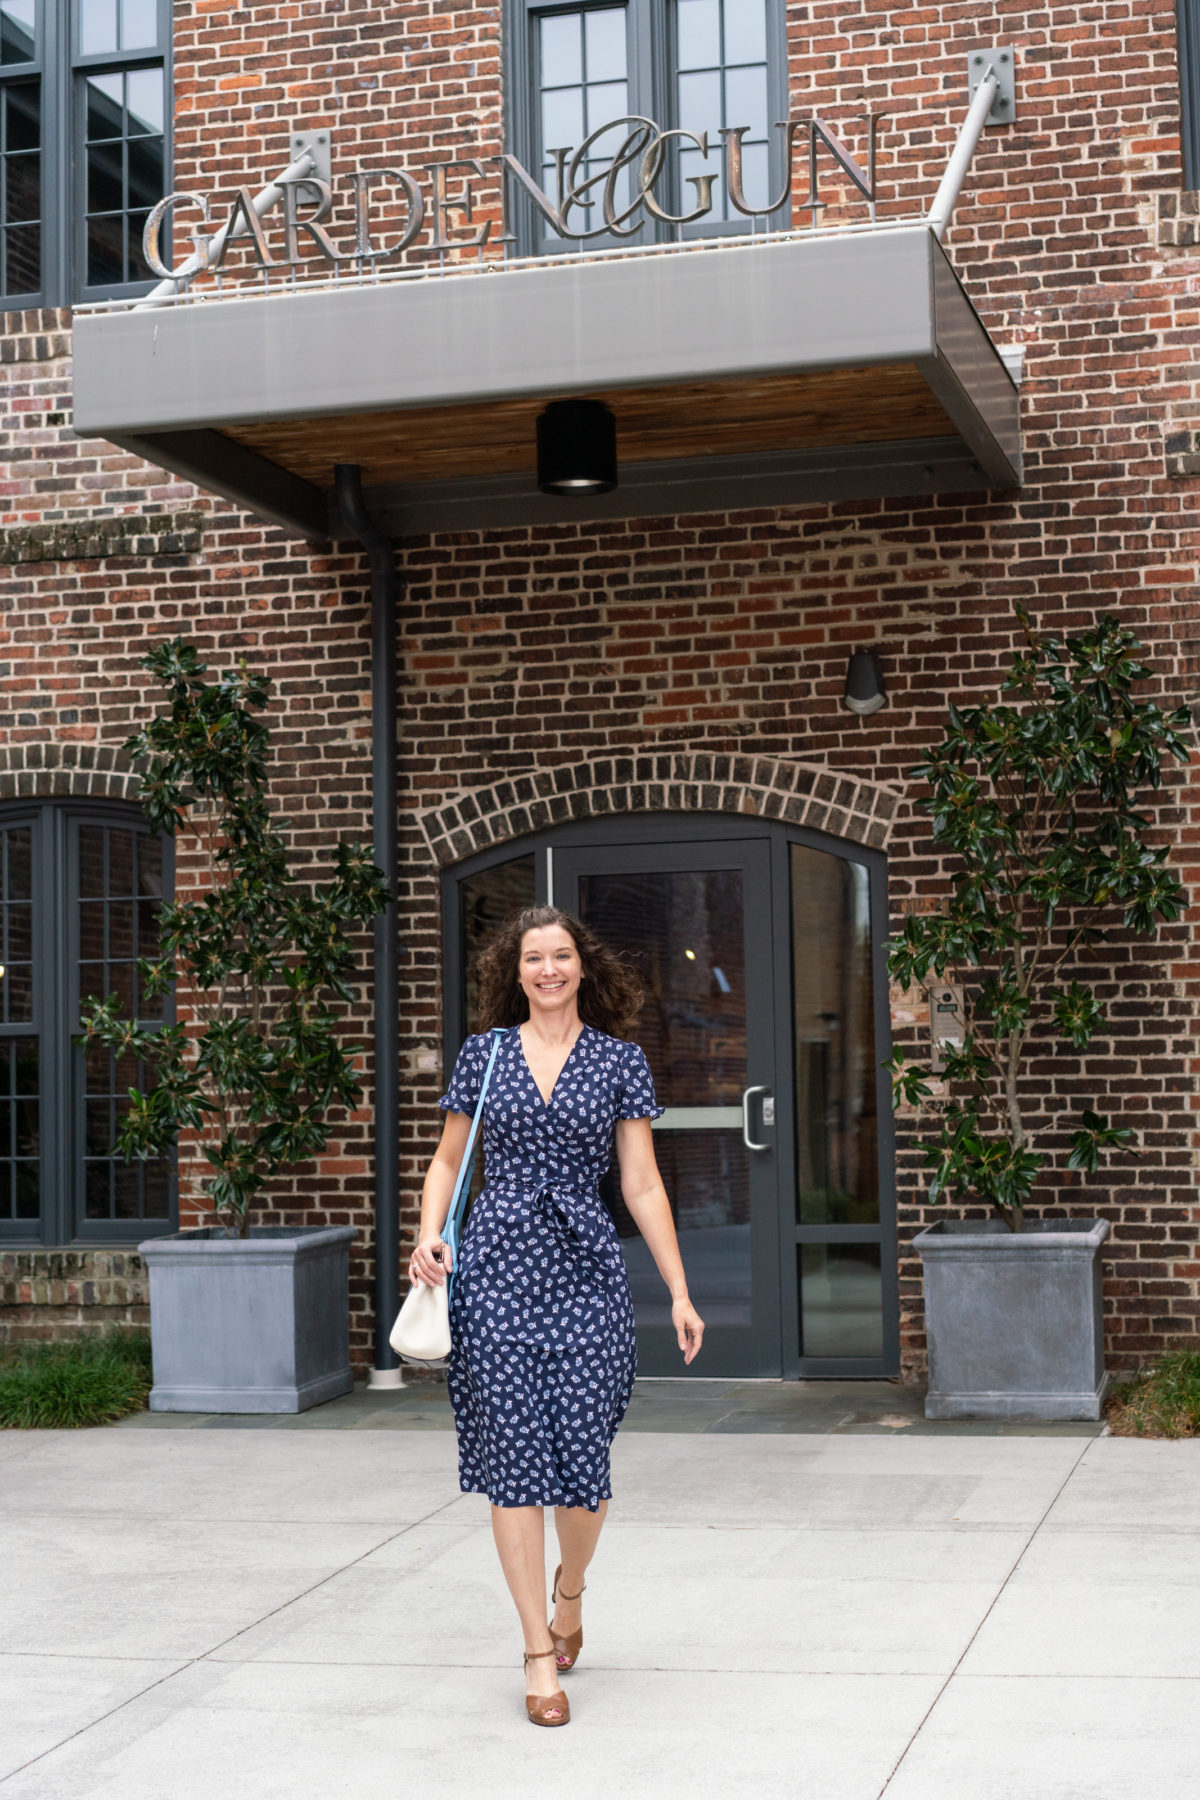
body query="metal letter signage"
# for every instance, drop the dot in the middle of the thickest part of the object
(613, 202)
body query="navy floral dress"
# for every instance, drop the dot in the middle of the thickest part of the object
(543, 1356)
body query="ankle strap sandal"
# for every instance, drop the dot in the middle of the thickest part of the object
(566, 1648)
(546, 1709)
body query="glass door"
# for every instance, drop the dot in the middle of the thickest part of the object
(696, 920)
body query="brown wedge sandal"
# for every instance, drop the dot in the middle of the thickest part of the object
(540, 1706)
(567, 1648)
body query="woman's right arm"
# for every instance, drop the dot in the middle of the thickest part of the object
(435, 1201)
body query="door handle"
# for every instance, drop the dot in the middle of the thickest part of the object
(746, 1097)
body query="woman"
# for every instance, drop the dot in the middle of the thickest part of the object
(544, 1353)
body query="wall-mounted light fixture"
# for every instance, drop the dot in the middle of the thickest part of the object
(865, 691)
(576, 448)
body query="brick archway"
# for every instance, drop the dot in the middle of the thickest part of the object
(53, 770)
(810, 794)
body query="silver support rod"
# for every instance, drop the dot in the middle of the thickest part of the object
(938, 216)
(262, 202)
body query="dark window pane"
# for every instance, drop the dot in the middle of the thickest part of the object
(22, 188)
(147, 925)
(150, 876)
(127, 1184)
(97, 1189)
(144, 101)
(157, 1191)
(139, 24)
(98, 1070)
(18, 984)
(23, 121)
(487, 899)
(837, 1180)
(841, 1299)
(93, 981)
(135, 226)
(706, 1175)
(120, 928)
(25, 1052)
(120, 983)
(106, 251)
(23, 259)
(18, 883)
(97, 1131)
(7, 1053)
(91, 930)
(20, 933)
(91, 861)
(26, 1128)
(105, 192)
(688, 937)
(120, 864)
(97, 27)
(105, 112)
(148, 1007)
(127, 1074)
(28, 1190)
(17, 35)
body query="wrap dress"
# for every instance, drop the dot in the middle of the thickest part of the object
(543, 1348)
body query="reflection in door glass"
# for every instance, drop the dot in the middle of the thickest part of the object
(837, 1173)
(685, 932)
(485, 901)
(841, 1299)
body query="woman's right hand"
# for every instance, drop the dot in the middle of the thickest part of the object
(430, 1262)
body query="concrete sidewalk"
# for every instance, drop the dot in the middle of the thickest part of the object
(318, 1615)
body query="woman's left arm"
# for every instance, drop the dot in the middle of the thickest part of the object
(646, 1198)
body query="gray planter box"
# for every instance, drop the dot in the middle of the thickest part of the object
(250, 1325)
(1014, 1320)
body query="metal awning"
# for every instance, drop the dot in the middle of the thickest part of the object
(818, 366)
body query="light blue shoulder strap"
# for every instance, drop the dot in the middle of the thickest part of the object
(462, 1187)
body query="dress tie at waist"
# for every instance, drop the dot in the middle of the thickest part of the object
(574, 1211)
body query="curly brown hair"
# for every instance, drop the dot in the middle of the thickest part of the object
(610, 994)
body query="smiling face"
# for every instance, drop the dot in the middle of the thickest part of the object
(549, 970)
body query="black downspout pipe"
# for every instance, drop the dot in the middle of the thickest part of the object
(384, 597)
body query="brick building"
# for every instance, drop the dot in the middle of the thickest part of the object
(867, 417)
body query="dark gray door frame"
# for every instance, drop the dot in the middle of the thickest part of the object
(662, 828)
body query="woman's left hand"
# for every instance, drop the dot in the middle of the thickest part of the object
(689, 1328)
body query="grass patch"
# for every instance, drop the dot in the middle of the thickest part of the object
(1163, 1401)
(83, 1381)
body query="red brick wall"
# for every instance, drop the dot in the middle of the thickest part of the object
(729, 633)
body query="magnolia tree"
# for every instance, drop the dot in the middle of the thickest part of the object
(1035, 800)
(261, 957)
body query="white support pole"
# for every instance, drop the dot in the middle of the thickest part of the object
(938, 216)
(262, 202)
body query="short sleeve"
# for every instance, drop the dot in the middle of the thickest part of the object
(638, 1100)
(462, 1096)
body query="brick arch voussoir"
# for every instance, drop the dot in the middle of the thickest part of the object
(810, 794)
(51, 770)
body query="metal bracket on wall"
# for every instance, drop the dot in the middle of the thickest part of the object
(319, 145)
(1003, 65)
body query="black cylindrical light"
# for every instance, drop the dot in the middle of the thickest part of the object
(576, 448)
(865, 691)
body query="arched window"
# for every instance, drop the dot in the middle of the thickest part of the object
(81, 885)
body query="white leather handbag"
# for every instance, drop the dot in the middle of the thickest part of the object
(421, 1333)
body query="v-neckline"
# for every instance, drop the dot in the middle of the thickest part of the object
(533, 1078)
